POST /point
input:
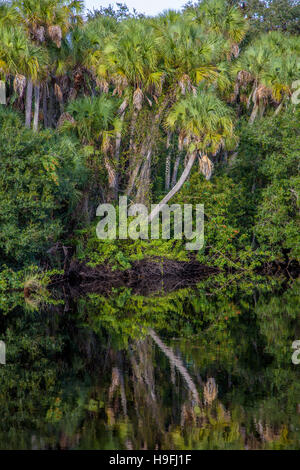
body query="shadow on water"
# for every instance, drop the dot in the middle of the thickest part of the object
(204, 366)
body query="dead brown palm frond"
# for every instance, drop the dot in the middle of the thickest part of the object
(206, 166)
(235, 50)
(38, 33)
(180, 141)
(65, 117)
(236, 91)
(120, 83)
(58, 92)
(138, 97)
(78, 78)
(261, 93)
(265, 432)
(19, 84)
(55, 34)
(210, 391)
(123, 106)
(244, 77)
(185, 84)
(102, 84)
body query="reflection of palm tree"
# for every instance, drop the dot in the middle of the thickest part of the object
(210, 391)
(117, 381)
(177, 362)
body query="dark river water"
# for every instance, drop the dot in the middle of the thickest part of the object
(200, 367)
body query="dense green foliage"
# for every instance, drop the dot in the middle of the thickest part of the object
(133, 99)
(41, 175)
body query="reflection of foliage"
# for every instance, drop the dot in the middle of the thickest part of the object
(94, 378)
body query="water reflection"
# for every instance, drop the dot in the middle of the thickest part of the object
(202, 367)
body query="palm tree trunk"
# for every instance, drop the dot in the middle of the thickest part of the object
(132, 130)
(262, 110)
(137, 160)
(28, 103)
(118, 146)
(45, 111)
(51, 107)
(175, 169)
(111, 178)
(2, 92)
(144, 180)
(36, 107)
(251, 94)
(168, 172)
(168, 163)
(134, 169)
(175, 188)
(254, 113)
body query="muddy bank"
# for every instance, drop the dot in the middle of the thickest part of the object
(143, 277)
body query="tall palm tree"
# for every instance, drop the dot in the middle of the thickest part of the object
(46, 21)
(204, 124)
(128, 63)
(184, 58)
(20, 58)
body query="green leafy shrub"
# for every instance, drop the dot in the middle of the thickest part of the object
(39, 187)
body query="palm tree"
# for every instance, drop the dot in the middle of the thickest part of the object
(204, 124)
(20, 58)
(128, 62)
(267, 69)
(222, 18)
(46, 22)
(192, 51)
(96, 123)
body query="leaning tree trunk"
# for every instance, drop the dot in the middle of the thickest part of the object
(28, 103)
(176, 188)
(279, 107)
(36, 107)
